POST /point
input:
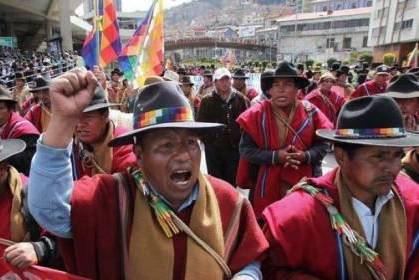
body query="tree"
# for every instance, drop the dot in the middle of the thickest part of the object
(366, 57)
(389, 59)
(330, 61)
(309, 63)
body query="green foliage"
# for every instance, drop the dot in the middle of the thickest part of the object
(309, 63)
(365, 57)
(330, 61)
(389, 59)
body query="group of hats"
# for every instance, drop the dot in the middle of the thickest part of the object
(377, 120)
(361, 120)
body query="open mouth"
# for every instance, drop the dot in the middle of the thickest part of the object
(181, 177)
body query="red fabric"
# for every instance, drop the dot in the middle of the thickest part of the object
(28, 104)
(95, 250)
(123, 156)
(6, 201)
(5, 208)
(332, 108)
(34, 272)
(34, 116)
(251, 93)
(270, 176)
(17, 126)
(302, 242)
(372, 87)
(179, 245)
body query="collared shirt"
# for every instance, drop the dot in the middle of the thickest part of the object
(370, 220)
(51, 184)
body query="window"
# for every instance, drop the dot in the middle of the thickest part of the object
(407, 24)
(347, 43)
(365, 42)
(330, 43)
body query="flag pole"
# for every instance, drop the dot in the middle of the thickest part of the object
(97, 37)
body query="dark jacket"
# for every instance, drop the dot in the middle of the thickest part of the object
(214, 109)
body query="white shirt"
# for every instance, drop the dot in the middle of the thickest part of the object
(369, 221)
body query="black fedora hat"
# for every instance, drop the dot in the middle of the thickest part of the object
(207, 73)
(117, 72)
(10, 147)
(99, 101)
(414, 71)
(161, 105)
(186, 80)
(361, 121)
(240, 75)
(20, 76)
(6, 96)
(266, 84)
(403, 86)
(39, 83)
(286, 70)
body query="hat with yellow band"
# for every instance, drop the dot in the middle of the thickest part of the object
(161, 105)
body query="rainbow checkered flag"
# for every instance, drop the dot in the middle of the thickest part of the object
(128, 59)
(89, 50)
(110, 45)
(152, 55)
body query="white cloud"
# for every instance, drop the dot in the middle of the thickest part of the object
(144, 5)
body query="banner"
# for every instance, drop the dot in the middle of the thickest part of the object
(7, 272)
(10, 42)
(253, 81)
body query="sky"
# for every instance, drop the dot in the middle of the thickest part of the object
(139, 5)
(144, 5)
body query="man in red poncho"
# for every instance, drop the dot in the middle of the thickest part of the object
(40, 113)
(94, 130)
(328, 101)
(13, 126)
(360, 220)
(279, 146)
(162, 221)
(376, 86)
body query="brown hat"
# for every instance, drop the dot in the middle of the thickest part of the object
(152, 80)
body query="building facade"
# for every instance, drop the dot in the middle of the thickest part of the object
(320, 36)
(336, 5)
(394, 28)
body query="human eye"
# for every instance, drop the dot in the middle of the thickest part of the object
(192, 143)
(165, 147)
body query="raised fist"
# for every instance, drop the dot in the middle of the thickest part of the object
(71, 92)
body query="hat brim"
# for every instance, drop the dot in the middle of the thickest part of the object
(300, 82)
(410, 140)
(200, 127)
(38, 88)
(11, 147)
(401, 95)
(100, 106)
(7, 100)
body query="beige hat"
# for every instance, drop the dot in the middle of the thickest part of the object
(326, 76)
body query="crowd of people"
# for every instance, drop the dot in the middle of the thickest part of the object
(85, 193)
